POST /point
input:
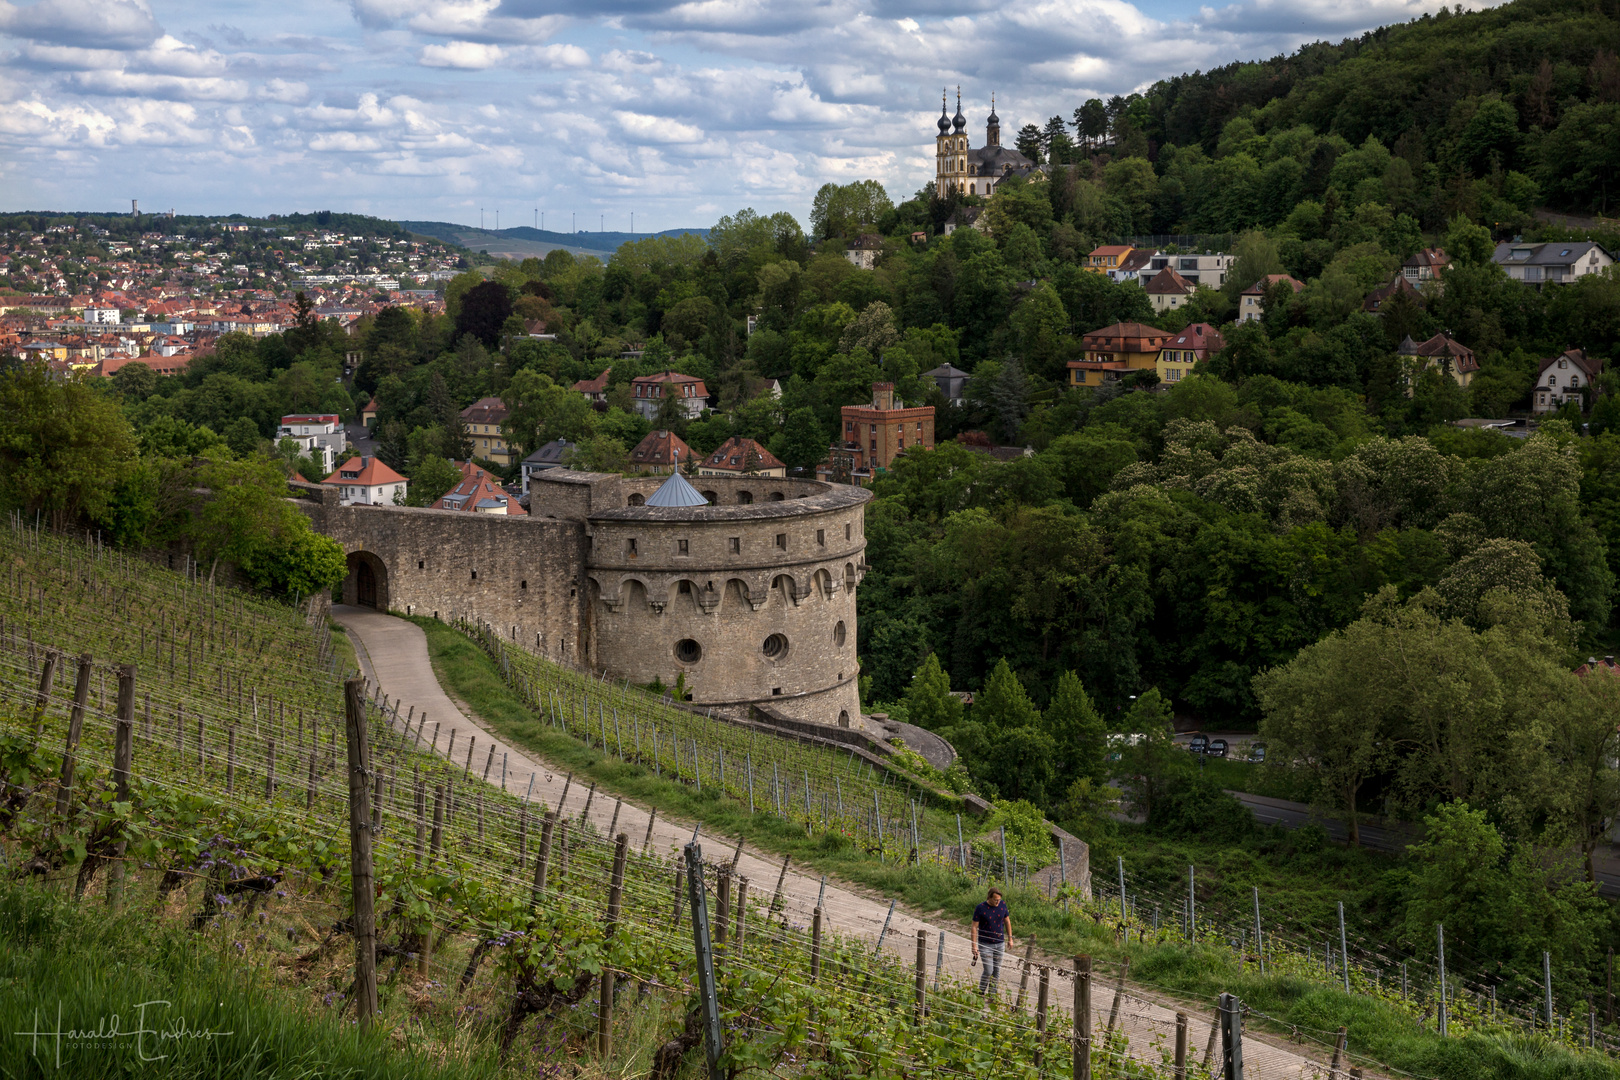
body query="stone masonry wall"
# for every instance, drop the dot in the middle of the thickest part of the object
(524, 575)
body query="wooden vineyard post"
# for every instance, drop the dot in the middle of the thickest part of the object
(542, 859)
(421, 817)
(437, 840)
(1119, 994)
(230, 759)
(922, 976)
(47, 676)
(123, 752)
(360, 871)
(652, 816)
(776, 898)
(1179, 1068)
(1231, 1037)
(1023, 975)
(1082, 1018)
(701, 944)
(1043, 1001)
(815, 946)
(604, 1013)
(742, 911)
(270, 768)
(70, 753)
(722, 906)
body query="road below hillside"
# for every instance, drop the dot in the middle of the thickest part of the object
(1395, 837)
(393, 653)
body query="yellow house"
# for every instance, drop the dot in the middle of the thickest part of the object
(1107, 258)
(484, 418)
(1183, 351)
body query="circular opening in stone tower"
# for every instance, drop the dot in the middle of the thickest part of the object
(776, 647)
(688, 651)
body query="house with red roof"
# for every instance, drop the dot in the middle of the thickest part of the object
(594, 389)
(479, 493)
(1449, 355)
(368, 481)
(737, 456)
(1181, 353)
(1167, 289)
(660, 453)
(649, 391)
(1562, 378)
(1251, 302)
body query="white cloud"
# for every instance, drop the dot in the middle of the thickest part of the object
(466, 55)
(639, 127)
(107, 24)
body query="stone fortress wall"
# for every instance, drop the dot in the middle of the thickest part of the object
(752, 598)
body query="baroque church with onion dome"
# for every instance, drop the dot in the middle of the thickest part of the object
(966, 171)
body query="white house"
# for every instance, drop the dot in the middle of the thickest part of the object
(1551, 262)
(1561, 379)
(319, 435)
(1209, 269)
(367, 480)
(102, 315)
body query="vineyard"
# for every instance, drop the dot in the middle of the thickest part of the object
(516, 936)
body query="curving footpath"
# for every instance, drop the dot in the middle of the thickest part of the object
(393, 654)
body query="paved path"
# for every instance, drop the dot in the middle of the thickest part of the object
(393, 654)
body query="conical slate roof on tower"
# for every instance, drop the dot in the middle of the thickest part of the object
(676, 492)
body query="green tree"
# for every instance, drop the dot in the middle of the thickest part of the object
(928, 700)
(1077, 731)
(430, 479)
(64, 445)
(801, 443)
(1469, 244)
(1149, 760)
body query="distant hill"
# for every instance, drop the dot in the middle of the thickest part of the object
(524, 241)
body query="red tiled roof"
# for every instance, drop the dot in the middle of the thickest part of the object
(735, 452)
(1589, 364)
(1168, 282)
(478, 489)
(489, 410)
(1260, 286)
(594, 386)
(661, 448)
(368, 472)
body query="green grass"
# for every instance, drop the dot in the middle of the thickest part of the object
(75, 968)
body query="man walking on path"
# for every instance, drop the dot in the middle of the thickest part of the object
(992, 926)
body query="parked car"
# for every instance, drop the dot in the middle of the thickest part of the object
(1199, 744)
(1217, 748)
(1257, 752)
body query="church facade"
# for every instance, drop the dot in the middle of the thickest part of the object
(961, 169)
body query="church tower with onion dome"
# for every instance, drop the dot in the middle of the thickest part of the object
(963, 170)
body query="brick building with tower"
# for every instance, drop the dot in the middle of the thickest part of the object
(874, 435)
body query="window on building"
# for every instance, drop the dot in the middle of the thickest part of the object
(681, 549)
(781, 541)
(847, 531)
(630, 547)
(821, 537)
(735, 544)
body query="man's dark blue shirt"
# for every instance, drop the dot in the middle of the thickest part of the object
(992, 922)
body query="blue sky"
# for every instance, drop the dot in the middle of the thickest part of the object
(676, 110)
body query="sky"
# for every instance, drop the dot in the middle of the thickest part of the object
(588, 111)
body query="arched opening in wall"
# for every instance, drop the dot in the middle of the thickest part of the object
(783, 584)
(849, 577)
(636, 499)
(635, 595)
(843, 718)
(685, 594)
(777, 496)
(688, 651)
(745, 498)
(714, 500)
(367, 582)
(775, 647)
(824, 585)
(839, 634)
(736, 595)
